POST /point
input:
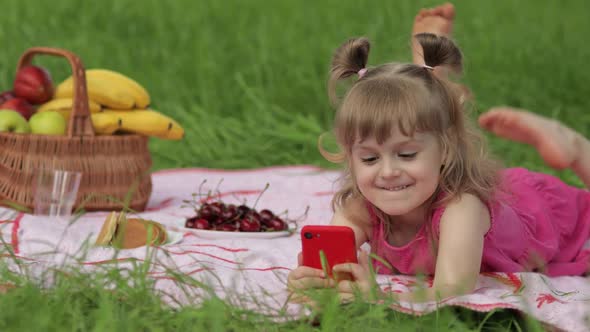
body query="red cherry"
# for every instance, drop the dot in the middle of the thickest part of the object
(216, 221)
(228, 214)
(277, 224)
(249, 225)
(266, 216)
(216, 209)
(243, 210)
(233, 209)
(231, 227)
(206, 212)
(201, 224)
(189, 223)
(219, 204)
(253, 214)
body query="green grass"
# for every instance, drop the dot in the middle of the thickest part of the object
(247, 81)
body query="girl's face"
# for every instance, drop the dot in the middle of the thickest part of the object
(399, 175)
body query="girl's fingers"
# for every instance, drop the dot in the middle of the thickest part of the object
(364, 260)
(305, 277)
(357, 271)
(352, 287)
(311, 282)
(347, 286)
(306, 271)
(346, 297)
(299, 259)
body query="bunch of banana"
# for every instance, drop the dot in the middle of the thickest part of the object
(108, 88)
(117, 104)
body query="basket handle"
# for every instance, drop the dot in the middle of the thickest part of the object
(80, 123)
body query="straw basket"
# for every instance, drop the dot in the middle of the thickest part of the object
(113, 167)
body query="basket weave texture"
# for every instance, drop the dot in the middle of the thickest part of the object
(112, 167)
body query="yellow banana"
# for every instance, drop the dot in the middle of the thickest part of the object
(139, 121)
(146, 122)
(105, 124)
(65, 104)
(109, 88)
(136, 90)
(102, 91)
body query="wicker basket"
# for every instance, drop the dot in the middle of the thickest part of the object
(113, 166)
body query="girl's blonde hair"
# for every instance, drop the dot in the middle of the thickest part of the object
(414, 98)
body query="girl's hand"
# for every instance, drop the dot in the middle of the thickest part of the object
(303, 278)
(363, 283)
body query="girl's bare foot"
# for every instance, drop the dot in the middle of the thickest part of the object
(557, 144)
(437, 20)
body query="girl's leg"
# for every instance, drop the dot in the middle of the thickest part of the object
(560, 146)
(437, 20)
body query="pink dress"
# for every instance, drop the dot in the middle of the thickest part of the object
(542, 227)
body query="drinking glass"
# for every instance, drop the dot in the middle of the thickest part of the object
(55, 192)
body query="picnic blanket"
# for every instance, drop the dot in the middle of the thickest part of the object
(252, 272)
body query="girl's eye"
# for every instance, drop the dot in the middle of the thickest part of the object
(407, 155)
(369, 160)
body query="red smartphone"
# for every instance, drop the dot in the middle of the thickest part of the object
(336, 242)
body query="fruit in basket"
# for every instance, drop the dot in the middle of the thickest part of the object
(103, 124)
(149, 123)
(12, 121)
(125, 233)
(34, 84)
(140, 95)
(65, 105)
(6, 96)
(48, 123)
(20, 105)
(143, 122)
(108, 88)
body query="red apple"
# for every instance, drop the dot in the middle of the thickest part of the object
(6, 96)
(20, 105)
(34, 84)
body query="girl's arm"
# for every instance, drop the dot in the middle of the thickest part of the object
(354, 215)
(460, 249)
(462, 229)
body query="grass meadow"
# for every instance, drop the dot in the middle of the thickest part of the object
(247, 81)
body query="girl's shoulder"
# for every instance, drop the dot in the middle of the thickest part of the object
(464, 206)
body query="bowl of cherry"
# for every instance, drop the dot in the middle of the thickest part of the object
(217, 219)
(218, 216)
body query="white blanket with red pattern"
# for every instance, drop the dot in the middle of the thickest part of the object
(251, 272)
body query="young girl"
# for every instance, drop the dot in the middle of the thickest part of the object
(421, 189)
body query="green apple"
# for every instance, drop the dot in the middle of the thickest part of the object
(13, 121)
(48, 123)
